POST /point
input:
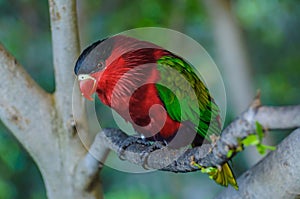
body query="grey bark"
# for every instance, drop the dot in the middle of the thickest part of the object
(43, 123)
(214, 154)
(276, 176)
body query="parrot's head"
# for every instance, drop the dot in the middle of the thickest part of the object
(90, 66)
(113, 54)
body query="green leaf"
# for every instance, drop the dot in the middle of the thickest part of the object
(255, 140)
(250, 140)
(229, 154)
(272, 148)
(261, 148)
(209, 170)
(259, 130)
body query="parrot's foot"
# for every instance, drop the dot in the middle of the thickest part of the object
(130, 141)
(145, 154)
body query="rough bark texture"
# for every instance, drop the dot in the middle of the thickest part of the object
(65, 44)
(23, 104)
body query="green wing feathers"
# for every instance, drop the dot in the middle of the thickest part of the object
(185, 96)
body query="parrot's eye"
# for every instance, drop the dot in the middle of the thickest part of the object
(100, 65)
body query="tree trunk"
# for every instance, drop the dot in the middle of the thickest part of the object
(44, 123)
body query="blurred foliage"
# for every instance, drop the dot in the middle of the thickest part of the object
(272, 33)
(271, 30)
(25, 32)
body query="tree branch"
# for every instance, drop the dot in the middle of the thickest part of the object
(276, 176)
(91, 163)
(68, 100)
(22, 102)
(65, 44)
(207, 155)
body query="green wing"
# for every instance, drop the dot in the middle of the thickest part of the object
(185, 96)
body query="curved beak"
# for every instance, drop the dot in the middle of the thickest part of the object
(88, 85)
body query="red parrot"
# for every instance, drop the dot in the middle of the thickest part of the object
(155, 90)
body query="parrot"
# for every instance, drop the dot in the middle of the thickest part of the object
(158, 92)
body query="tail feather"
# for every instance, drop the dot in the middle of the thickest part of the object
(225, 176)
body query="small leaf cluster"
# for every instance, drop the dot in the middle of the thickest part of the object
(253, 140)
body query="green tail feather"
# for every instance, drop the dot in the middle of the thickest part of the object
(222, 176)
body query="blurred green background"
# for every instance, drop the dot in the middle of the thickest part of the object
(270, 32)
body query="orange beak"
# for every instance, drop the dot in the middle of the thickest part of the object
(88, 85)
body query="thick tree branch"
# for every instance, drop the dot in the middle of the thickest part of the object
(65, 44)
(276, 176)
(70, 108)
(23, 104)
(90, 165)
(22, 101)
(285, 117)
(208, 155)
(68, 148)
